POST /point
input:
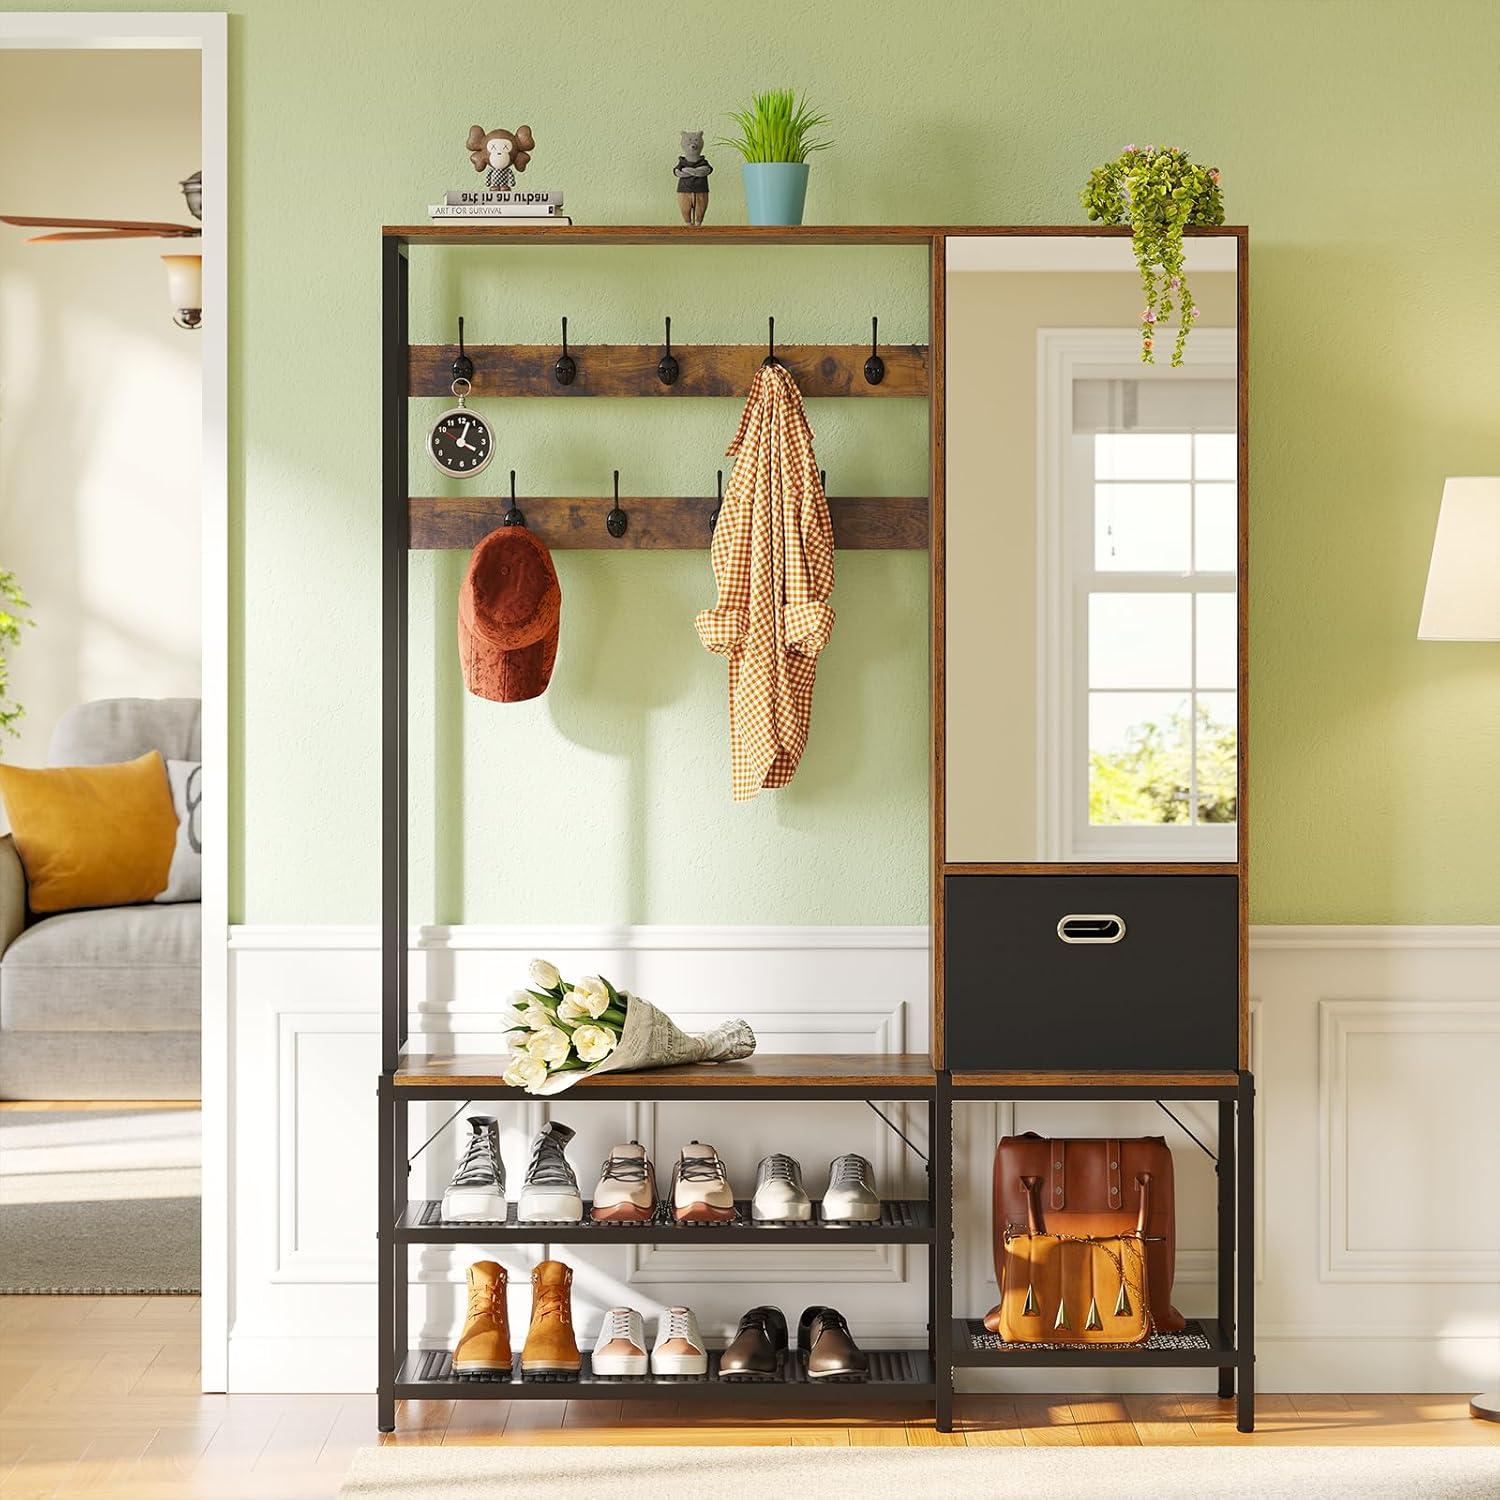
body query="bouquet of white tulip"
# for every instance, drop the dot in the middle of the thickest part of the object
(565, 1031)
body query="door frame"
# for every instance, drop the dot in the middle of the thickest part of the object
(207, 34)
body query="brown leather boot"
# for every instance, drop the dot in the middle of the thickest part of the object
(483, 1351)
(551, 1351)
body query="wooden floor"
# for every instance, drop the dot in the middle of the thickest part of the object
(99, 1396)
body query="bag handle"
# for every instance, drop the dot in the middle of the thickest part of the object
(1034, 1219)
(1143, 1182)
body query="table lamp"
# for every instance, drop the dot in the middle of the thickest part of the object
(1462, 603)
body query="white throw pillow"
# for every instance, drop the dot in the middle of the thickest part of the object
(185, 878)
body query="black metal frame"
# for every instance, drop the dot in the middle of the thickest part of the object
(905, 1375)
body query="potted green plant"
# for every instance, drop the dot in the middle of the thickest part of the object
(12, 604)
(775, 140)
(1159, 192)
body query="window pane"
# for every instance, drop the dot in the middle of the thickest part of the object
(1216, 542)
(1217, 748)
(1216, 633)
(1215, 455)
(1139, 754)
(1140, 640)
(1143, 455)
(1141, 528)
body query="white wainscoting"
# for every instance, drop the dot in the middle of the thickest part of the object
(1376, 1052)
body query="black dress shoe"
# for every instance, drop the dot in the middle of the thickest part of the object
(824, 1341)
(759, 1348)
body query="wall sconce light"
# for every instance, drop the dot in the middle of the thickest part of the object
(185, 289)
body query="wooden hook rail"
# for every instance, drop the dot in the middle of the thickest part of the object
(897, 523)
(631, 369)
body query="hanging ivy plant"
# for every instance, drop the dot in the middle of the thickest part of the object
(12, 617)
(1159, 192)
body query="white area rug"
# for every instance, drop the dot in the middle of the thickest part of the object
(901, 1474)
(103, 1200)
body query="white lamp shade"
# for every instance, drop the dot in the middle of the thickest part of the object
(1462, 602)
(184, 282)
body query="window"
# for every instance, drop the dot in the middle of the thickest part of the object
(1138, 744)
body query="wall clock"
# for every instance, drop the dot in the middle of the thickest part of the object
(461, 443)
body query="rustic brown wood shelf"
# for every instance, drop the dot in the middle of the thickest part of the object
(630, 369)
(896, 522)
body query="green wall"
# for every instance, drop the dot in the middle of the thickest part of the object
(1357, 139)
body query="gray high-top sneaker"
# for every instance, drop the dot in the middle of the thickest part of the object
(780, 1197)
(851, 1197)
(550, 1193)
(476, 1195)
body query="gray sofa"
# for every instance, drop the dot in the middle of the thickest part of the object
(102, 1004)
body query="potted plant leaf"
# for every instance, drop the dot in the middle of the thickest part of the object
(12, 617)
(1159, 191)
(775, 139)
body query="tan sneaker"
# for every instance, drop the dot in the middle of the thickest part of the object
(483, 1351)
(626, 1192)
(551, 1351)
(700, 1187)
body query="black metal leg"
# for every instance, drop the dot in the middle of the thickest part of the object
(942, 1269)
(1227, 1184)
(935, 1213)
(1245, 1254)
(386, 1245)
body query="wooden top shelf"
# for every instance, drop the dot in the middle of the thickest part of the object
(841, 1074)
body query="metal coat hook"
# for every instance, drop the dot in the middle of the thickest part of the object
(713, 519)
(616, 520)
(463, 366)
(513, 516)
(770, 358)
(874, 365)
(566, 368)
(823, 481)
(667, 368)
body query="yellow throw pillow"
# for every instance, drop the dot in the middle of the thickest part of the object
(92, 835)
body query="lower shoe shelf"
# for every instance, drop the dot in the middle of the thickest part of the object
(895, 1374)
(1203, 1342)
(902, 1221)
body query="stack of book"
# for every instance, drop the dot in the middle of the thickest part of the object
(518, 206)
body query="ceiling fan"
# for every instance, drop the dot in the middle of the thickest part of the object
(184, 270)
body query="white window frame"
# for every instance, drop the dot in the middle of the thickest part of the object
(1066, 355)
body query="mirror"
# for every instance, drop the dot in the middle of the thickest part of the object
(1092, 558)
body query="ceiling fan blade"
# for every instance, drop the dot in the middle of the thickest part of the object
(145, 226)
(95, 234)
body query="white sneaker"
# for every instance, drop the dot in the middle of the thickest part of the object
(550, 1193)
(780, 1197)
(851, 1197)
(679, 1353)
(620, 1348)
(476, 1194)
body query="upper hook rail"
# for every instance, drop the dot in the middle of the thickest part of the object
(566, 368)
(667, 368)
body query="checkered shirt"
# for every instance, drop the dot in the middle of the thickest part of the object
(773, 565)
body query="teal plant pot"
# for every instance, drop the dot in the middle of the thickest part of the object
(775, 191)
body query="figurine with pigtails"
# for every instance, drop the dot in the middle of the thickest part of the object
(500, 154)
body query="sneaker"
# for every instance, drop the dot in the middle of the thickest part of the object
(679, 1353)
(483, 1348)
(780, 1197)
(700, 1187)
(550, 1193)
(626, 1192)
(476, 1195)
(620, 1349)
(851, 1197)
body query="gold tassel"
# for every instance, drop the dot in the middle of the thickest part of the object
(1061, 1320)
(1093, 1323)
(1122, 1302)
(1028, 1308)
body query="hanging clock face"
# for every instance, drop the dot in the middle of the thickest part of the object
(461, 443)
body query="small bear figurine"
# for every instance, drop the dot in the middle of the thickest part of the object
(499, 154)
(691, 172)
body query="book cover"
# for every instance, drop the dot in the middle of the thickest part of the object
(458, 198)
(489, 210)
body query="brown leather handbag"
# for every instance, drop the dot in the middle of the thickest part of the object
(1091, 1189)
